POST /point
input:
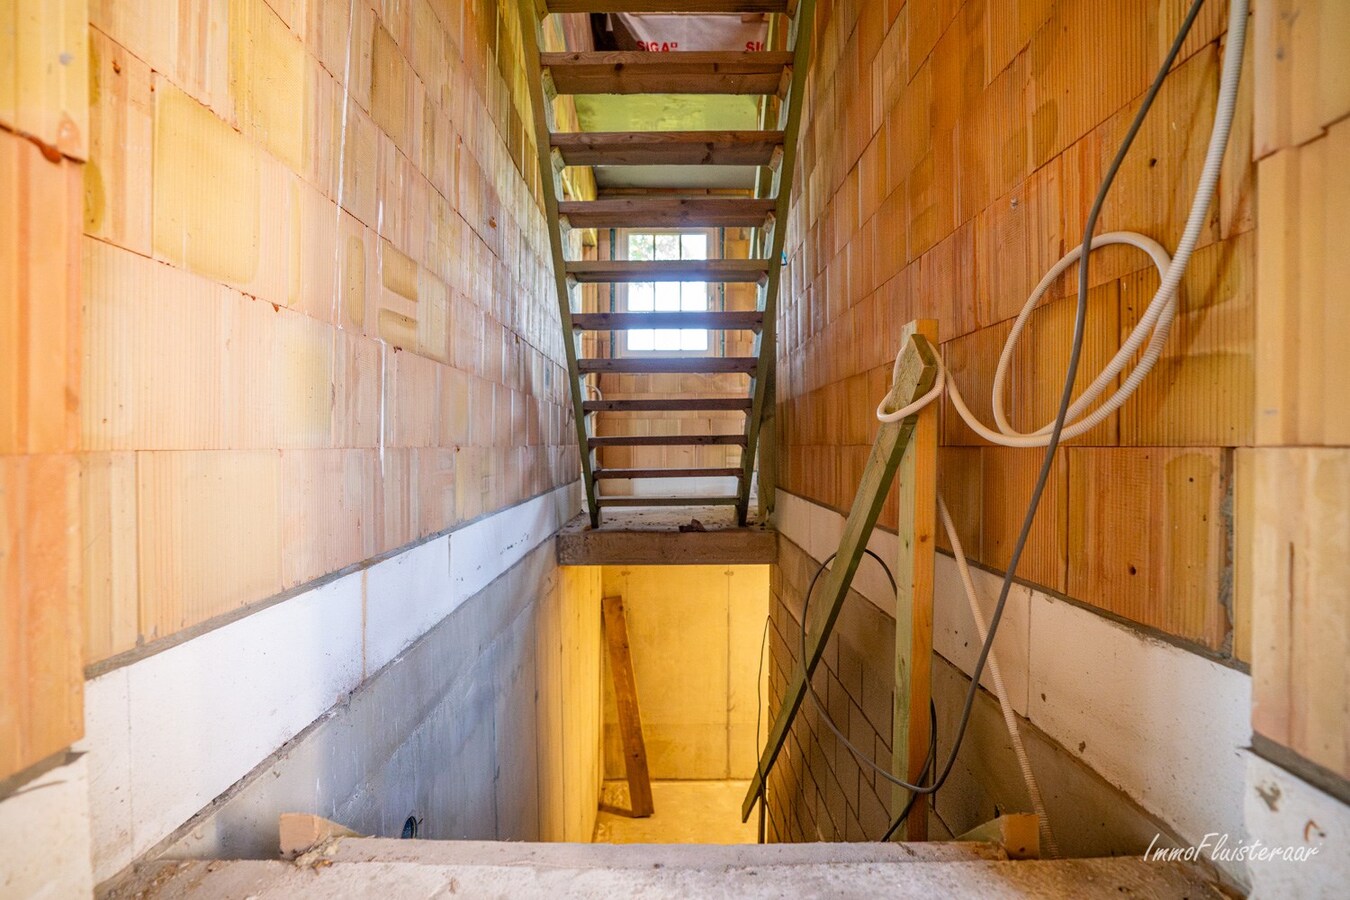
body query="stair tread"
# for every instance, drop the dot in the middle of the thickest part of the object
(667, 501)
(667, 212)
(668, 148)
(618, 474)
(725, 321)
(361, 866)
(627, 270)
(671, 404)
(678, 72)
(668, 440)
(680, 365)
(681, 6)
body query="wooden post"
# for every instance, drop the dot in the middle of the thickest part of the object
(917, 478)
(914, 377)
(630, 720)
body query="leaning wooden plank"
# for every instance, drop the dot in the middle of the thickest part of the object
(917, 477)
(666, 212)
(630, 717)
(668, 148)
(724, 321)
(641, 72)
(745, 271)
(918, 367)
(680, 6)
(683, 365)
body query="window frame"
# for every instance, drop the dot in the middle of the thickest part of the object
(714, 252)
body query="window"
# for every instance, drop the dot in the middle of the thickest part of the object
(668, 296)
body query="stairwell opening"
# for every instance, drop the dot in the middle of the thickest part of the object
(694, 635)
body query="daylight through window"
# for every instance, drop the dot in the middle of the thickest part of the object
(668, 296)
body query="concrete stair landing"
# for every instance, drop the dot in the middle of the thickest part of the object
(378, 867)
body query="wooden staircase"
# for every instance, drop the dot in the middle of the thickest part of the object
(776, 76)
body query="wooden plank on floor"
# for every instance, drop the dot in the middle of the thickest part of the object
(727, 271)
(630, 716)
(1019, 834)
(299, 832)
(667, 212)
(641, 72)
(718, 321)
(915, 376)
(682, 365)
(668, 148)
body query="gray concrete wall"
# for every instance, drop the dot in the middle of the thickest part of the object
(819, 791)
(459, 730)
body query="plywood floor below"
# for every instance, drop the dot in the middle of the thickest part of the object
(687, 812)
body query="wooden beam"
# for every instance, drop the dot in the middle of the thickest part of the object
(668, 501)
(626, 474)
(670, 440)
(668, 148)
(915, 376)
(666, 212)
(641, 72)
(683, 365)
(679, 6)
(917, 478)
(676, 404)
(719, 321)
(630, 717)
(774, 234)
(616, 544)
(746, 271)
(542, 110)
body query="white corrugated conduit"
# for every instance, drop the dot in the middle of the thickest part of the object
(1150, 334)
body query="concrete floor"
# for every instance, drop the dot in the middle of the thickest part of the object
(687, 812)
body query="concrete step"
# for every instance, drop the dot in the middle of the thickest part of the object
(370, 867)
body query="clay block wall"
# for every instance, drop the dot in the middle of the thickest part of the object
(1293, 486)
(318, 313)
(950, 154)
(44, 141)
